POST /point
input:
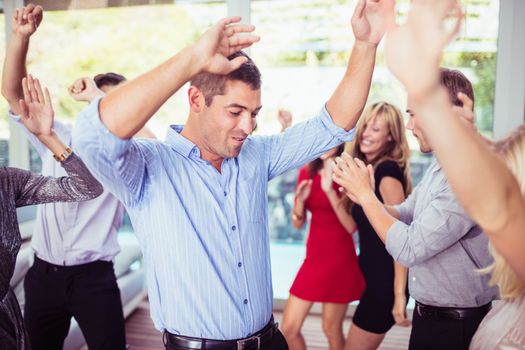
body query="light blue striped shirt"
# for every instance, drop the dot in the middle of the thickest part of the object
(204, 234)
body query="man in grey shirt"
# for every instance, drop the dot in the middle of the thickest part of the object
(431, 234)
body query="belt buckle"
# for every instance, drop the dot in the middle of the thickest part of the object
(243, 342)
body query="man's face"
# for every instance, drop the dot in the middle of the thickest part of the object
(413, 126)
(229, 119)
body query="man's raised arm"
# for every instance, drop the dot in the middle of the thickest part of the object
(481, 181)
(127, 108)
(369, 23)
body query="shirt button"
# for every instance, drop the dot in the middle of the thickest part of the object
(225, 193)
(234, 228)
(239, 264)
(413, 278)
(245, 301)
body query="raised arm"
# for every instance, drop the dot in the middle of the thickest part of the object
(369, 23)
(302, 193)
(482, 183)
(25, 21)
(37, 116)
(85, 90)
(127, 108)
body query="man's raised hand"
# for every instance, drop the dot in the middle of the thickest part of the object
(220, 41)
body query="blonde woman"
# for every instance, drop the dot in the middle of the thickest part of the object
(380, 141)
(504, 325)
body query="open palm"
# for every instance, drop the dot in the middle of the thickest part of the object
(37, 110)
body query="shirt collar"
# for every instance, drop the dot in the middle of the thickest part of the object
(179, 143)
(434, 165)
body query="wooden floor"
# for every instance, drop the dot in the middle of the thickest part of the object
(141, 335)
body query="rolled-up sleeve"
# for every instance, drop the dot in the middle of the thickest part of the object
(406, 209)
(440, 225)
(117, 163)
(304, 142)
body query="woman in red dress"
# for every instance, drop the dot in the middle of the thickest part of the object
(330, 272)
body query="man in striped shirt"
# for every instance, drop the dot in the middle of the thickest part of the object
(198, 201)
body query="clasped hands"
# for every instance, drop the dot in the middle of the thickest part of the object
(355, 178)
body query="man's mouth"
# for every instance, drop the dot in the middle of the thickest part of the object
(239, 140)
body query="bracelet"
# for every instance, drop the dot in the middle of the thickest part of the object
(65, 155)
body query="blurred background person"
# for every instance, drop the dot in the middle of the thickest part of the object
(20, 188)
(70, 241)
(329, 273)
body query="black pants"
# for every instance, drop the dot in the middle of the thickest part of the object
(442, 333)
(277, 343)
(88, 292)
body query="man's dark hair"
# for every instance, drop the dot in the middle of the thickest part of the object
(213, 84)
(108, 79)
(455, 81)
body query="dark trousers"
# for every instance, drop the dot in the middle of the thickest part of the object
(88, 292)
(442, 333)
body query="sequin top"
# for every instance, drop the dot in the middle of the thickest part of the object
(20, 188)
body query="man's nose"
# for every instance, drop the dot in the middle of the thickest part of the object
(410, 124)
(247, 123)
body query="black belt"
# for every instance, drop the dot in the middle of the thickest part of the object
(43, 266)
(254, 342)
(460, 313)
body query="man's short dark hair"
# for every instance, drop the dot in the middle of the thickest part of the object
(108, 79)
(213, 84)
(455, 81)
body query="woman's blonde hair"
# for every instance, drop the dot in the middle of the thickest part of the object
(512, 149)
(396, 148)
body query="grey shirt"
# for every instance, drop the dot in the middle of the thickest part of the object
(441, 246)
(20, 188)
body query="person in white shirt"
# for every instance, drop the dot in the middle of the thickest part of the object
(74, 243)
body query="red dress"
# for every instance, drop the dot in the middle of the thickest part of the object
(330, 272)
